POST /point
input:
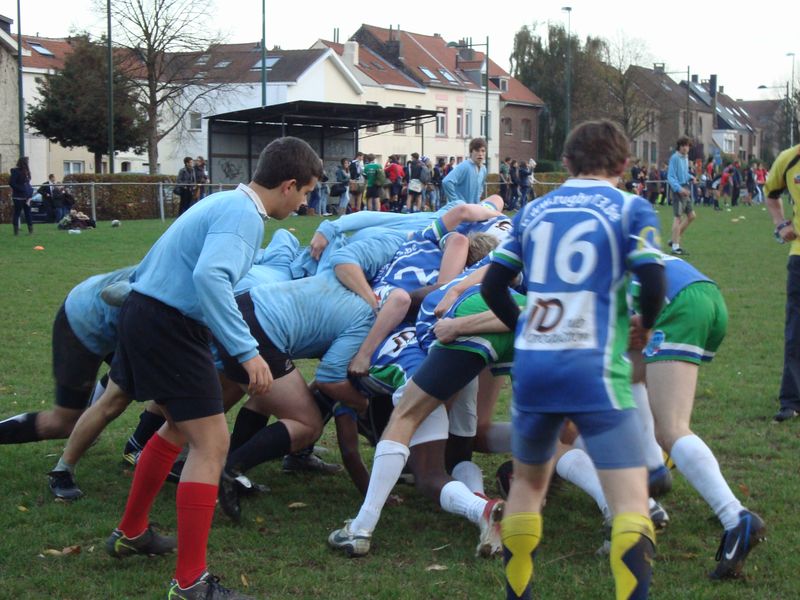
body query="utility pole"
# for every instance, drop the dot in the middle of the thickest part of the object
(568, 10)
(263, 53)
(110, 93)
(20, 100)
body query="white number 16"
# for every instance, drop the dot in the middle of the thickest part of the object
(568, 246)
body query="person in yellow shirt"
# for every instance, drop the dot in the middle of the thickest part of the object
(785, 176)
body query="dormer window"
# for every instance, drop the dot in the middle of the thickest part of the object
(429, 74)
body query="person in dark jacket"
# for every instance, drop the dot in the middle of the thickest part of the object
(21, 193)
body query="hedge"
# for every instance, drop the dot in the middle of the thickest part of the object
(134, 195)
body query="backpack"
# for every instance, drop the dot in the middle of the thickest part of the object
(425, 175)
(380, 177)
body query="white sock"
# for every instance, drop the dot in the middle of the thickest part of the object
(99, 388)
(470, 474)
(697, 463)
(390, 457)
(653, 456)
(456, 498)
(498, 437)
(579, 444)
(576, 467)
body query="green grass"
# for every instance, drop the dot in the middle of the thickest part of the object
(282, 553)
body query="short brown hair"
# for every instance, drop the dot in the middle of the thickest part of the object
(480, 244)
(287, 158)
(476, 144)
(595, 147)
(683, 141)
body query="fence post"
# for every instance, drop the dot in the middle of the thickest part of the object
(94, 203)
(161, 199)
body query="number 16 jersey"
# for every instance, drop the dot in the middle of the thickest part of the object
(576, 246)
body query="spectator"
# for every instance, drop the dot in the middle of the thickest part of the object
(653, 184)
(451, 164)
(342, 186)
(505, 179)
(201, 177)
(465, 181)
(415, 184)
(750, 183)
(357, 182)
(513, 175)
(47, 190)
(437, 178)
(21, 193)
(761, 179)
(425, 175)
(532, 177)
(394, 173)
(524, 176)
(187, 182)
(374, 181)
(680, 181)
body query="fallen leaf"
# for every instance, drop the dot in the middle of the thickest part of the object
(440, 548)
(90, 549)
(436, 568)
(51, 552)
(244, 580)
(292, 229)
(22, 508)
(745, 490)
(71, 550)
(259, 520)
(298, 505)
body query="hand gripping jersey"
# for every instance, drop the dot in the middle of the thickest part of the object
(575, 246)
(394, 362)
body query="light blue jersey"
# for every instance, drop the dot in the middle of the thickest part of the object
(272, 263)
(315, 317)
(195, 264)
(371, 253)
(576, 246)
(93, 321)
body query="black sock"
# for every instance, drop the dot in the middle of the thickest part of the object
(248, 423)
(268, 444)
(149, 423)
(19, 429)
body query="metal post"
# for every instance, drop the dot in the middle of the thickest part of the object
(19, 83)
(688, 91)
(110, 93)
(161, 200)
(568, 9)
(487, 90)
(93, 201)
(263, 52)
(791, 105)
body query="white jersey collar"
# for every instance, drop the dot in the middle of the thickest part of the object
(256, 200)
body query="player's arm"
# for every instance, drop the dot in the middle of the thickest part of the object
(773, 190)
(345, 394)
(652, 289)
(347, 436)
(468, 212)
(497, 294)
(449, 329)
(454, 291)
(454, 258)
(352, 277)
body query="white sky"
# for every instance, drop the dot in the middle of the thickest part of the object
(745, 44)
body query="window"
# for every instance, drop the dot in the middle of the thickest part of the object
(459, 122)
(372, 128)
(222, 64)
(699, 124)
(202, 60)
(378, 66)
(645, 149)
(195, 121)
(448, 76)
(125, 166)
(429, 74)
(484, 124)
(71, 167)
(441, 120)
(653, 152)
(527, 130)
(417, 123)
(400, 126)
(503, 85)
(468, 123)
(201, 75)
(741, 140)
(270, 62)
(634, 147)
(505, 125)
(40, 49)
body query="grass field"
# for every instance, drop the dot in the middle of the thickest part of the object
(419, 552)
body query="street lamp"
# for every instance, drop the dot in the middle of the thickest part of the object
(263, 53)
(791, 104)
(568, 10)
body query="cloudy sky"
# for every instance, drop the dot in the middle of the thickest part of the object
(745, 47)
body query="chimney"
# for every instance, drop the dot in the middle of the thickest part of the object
(695, 79)
(5, 24)
(712, 87)
(350, 54)
(658, 67)
(722, 89)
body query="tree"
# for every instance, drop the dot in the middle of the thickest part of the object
(73, 108)
(540, 64)
(165, 42)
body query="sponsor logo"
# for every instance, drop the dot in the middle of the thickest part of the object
(654, 346)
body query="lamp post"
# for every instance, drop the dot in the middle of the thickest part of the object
(20, 100)
(791, 104)
(110, 93)
(568, 10)
(263, 53)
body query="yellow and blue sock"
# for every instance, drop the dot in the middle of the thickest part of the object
(632, 551)
(521, 533)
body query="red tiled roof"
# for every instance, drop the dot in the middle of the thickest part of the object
(375, 67)
(59, 47)
(433, 53)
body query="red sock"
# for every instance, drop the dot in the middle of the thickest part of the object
(152, 468)
(196, 502)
